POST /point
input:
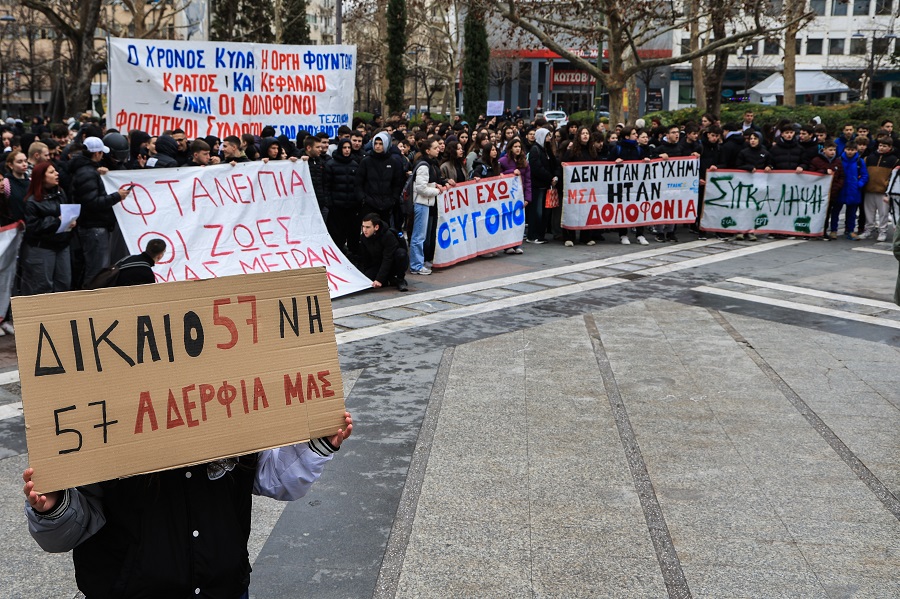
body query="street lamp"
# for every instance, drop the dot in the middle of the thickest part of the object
(748, 56)
(7, 20)
(415, 53)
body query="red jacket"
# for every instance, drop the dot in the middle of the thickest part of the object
(820, 164)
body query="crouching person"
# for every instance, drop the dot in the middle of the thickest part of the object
(383, 257)
(178, 533)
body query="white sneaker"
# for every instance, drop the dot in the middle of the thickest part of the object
(421, 271)
(569, 244)
(591, 242)
(7, 327)
(864, 235)
(624, 240)
(642, 240)
(882, 237)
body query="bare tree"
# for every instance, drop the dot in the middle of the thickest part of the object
(501, 74)
(623, 27)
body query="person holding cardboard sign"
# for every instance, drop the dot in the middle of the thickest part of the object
(176, 533)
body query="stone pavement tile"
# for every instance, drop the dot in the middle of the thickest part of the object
(849, 585)
(687, 254)
(553, 282)
(627, 266)
(741, 583)
(456, 558)
(874, 563)
(593, 273)
(431, 306)
(579, 576)
(648, 262)
(497, 293)
(525, 287)
(579, 277)
(396, 313)
(697, 550)
(467, 299)
(358, 321)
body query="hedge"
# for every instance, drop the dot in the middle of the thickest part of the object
(833, 117)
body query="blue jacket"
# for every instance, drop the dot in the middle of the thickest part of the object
(855, 178)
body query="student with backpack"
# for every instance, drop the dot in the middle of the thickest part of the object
(427, 186)
(855, 178)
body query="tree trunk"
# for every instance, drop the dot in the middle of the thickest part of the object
(83, 56)
(790, 54)
(697, 63)
(616, 108)
(634, 100)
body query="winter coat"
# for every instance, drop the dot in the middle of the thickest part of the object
(879, 167)
(669, 149)
(380, 178)
(166, 152)
(731, 147)
(12, 194)
(710, 156)
(820, 164)
(855, 178)
(340, 182)
(751, 158)
(377, 252)
(42, 220)
(628, 149)
(428, 177)
(89, 191)
(508, 165)
(317, 176)
(786, 155)
(449, 170)
(810, 151)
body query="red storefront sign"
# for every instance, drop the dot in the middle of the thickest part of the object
(572, 78)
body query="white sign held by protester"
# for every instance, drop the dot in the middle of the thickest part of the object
(779, 202)
(603, 195)
(495, 107)
(228, 220)
(229, 88)
(479, 217)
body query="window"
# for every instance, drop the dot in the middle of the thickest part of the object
(686, 94)
(798, 44)
(817, 7)
(835, 47)
(881, 46)
(771, 47)
(838, 8)
(883, 7)
(813, 46)
(858, 45)
(861, 8)
(685, 46)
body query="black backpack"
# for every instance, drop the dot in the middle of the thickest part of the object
(109, 276)
(406, 197)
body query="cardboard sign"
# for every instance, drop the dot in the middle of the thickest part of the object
(130, 380)
(780, 202)
(230, 88)
(603, 195)
(227, 220)
(479, 217)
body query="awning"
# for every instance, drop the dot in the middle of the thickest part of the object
(808, 83)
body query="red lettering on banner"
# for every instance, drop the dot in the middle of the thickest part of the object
(168, 183)
(669, 209)
(631, 213)
(691, 210)
(594, 216)
(297, 181)
(219, 229)
(287, 233)
(145, 408)
(262, 234)
(206, 266)
(195, 195)
(172, 409)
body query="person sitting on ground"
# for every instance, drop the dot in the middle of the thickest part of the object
(383, 258)
(132, 274)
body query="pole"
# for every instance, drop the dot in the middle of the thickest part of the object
(338, 22)
(416, 83)
(871, 73)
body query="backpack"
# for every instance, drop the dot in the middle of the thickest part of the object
(109, 276)
(479, 170)
(406, 197)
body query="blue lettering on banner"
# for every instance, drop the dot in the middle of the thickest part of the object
(234, 59)
(169, 58)
(185, 103)
(133, 55)
(334, 119)
(244, 83)
(460, 227)
(328, 61)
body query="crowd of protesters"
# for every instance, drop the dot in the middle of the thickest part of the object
(384, 177)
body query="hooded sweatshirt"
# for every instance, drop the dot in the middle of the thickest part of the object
(166, 152)
(543, 165)
(380, 176)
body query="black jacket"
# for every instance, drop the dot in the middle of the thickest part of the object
(42, 219)
(543, 167)
(166, 152)
(731, 147)
(136, 275)
(139, 552)
(340, 182)
(88, 190)
(377, 254)
(810, 151)
(786, 155)
(380, 179)
(711, 156)
(627, 149)
(753, 158)
(317, 175)
(669, 149)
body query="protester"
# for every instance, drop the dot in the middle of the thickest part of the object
(383, 257)
(877, 209)
(342, 198)
(515, 161)
(380, 178)
(428, 185)
(855, 178)
(138, 269)
(14, 189)
(543, 177)
(829, 163)
(97, 220)
(232, 152)
(45, 260)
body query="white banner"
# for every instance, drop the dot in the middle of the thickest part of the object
(479, 217)
(603, 195)
(10, 240)
(229, 88)
(781, 202)
(227, 220)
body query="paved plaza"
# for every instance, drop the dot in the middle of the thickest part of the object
(704, 419)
